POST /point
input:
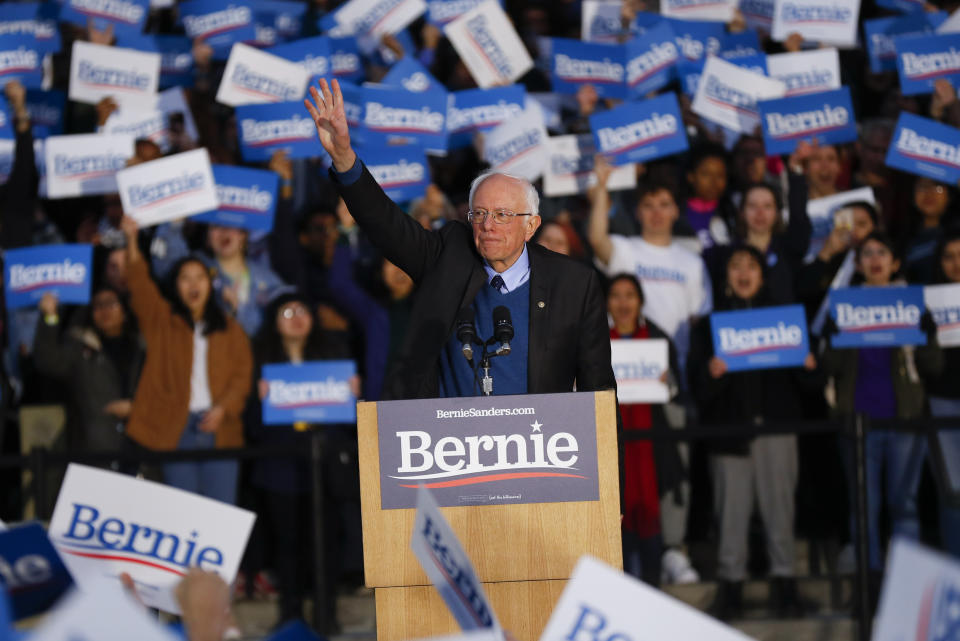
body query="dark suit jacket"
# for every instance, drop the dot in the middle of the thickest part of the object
(568, 335)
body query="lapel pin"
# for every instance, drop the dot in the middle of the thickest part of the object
(541, 304)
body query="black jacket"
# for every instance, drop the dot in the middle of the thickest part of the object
(568, 335)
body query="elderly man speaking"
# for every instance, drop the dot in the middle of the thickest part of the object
(561, 336)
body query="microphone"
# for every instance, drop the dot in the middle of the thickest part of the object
(502, 328)
(466, 332)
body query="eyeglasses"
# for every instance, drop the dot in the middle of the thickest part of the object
(939, 189)
(500, 216)
(294, 310)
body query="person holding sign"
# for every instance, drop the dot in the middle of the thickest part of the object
(196, 376)
(762, 469)
(885, 383)
(556, 304)
(935, 208)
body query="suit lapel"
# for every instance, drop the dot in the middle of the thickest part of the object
(478, 278)
(539, 299)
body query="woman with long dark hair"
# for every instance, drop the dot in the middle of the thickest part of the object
(196, 376)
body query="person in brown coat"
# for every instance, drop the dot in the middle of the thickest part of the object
(196, 376)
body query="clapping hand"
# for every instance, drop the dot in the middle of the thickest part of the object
(329, 116)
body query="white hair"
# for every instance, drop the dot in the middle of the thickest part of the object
(529, 191)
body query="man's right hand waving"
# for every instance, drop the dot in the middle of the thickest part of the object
(331, 121)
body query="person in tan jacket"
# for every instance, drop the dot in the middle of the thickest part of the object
(196, 376)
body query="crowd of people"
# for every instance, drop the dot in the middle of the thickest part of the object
(183, 316)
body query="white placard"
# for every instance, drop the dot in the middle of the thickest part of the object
(638, 365)
(372, 19)
(168, 188)
(600, 21)
(489, 45)
(821, 211)
(943, 301)
(101, 611)
(833, 22)
(519, 145)
(569, 168)
(728, 94)
(172, 101)
(921, 595)
(602, 603)
(255, 77)
(85, 164)
(806, 71)
(151, 125)
(951, 24)
(128, 76)
(107, 523)
(715, 10)
(448, 567)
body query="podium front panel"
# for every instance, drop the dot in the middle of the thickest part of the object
(507, 542)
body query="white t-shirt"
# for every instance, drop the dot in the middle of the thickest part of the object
(676, 287)
(200, 400)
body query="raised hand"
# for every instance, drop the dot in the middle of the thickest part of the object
(331, 120)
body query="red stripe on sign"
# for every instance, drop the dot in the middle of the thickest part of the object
(497, 477)
(111, 557)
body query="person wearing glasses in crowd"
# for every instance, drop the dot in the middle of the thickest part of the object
(556, 304)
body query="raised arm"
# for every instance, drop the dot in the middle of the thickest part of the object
(331, 121)
(599, 229)
(145, 299)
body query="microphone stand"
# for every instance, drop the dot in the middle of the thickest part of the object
(486, 383)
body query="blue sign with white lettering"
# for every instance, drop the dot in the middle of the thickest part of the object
(32, 573)
(287, 16)
(32, 20)
(409, 74)
(313, 392)
(880, 34)
(391, 115)
(64, 270)
(643, 21)
(46, 111)
(906, 6)
(264, 129)
(248, 198)
(926, 148)
(640, 131)
(473, 110)
(440, 12)
(696, 39)
(21, 59)
(176, 56)
(402, 171)
(765, 338)
(218, 24)
(575, 63)
(313, 54)
(924, 59)
(345, 59)
(739, 45)
(651, 60)
(826, 117)
(126, 16)
(877, 316)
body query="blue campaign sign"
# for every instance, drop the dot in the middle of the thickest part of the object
(690, 72)
(739, 45)
(924, 59)
(651, 60)
(176, 56)
(826, 117)
(21, 59)
(640, 131)
(287, 16)
(409, 74)
(877, 316)
(696, 39)
(32, 20)
(314, 392)
(294, 631)
(219, 24)
(345, 59)
(64, 270)
(644, 21)
(33, 577)
(906, 6)
(765, 338)
(46, 110)
(248, 198)
(264, 129)
(313, 54)
(473, 110)
(440, 12)
(880, 34)
(402, 171)
(926, 148)
(391, 114)
(575, 63)
(126, 16)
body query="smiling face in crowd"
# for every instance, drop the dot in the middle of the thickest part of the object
(877, 263)
(501, 245)
(193, 287)
(823, 169)
(709, 179)
(931, 198)
(226, 242)
(744, 275)
(657, 211)
(624, 304)
(760, 210)
(294, 321)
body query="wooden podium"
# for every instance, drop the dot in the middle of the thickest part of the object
(523, 553)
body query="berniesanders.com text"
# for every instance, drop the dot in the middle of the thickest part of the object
(472, 412)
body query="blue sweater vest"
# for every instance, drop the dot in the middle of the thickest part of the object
(509, 372)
